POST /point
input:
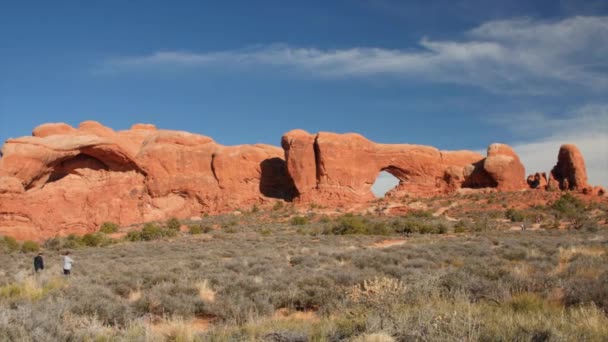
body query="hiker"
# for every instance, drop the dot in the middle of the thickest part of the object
(67, 264)
(38, 263)
(523, 226)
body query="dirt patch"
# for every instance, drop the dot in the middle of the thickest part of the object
(567, 254)
(178, 327)
(388, 243)
(286, 314)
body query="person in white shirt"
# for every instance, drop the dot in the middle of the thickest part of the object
(67, 264)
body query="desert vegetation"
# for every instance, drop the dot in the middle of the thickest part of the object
(282, 275)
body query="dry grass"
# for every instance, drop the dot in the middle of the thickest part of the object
(205, 292)
(296, 284)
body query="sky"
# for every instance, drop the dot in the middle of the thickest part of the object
(452, 74)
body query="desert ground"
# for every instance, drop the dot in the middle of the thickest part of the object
(454, 268)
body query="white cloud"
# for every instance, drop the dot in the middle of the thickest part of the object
(586, 127)
(384, 183)
(519, 55)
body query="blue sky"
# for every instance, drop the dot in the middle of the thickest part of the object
(452, 74)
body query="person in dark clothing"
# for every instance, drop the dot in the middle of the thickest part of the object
(38, 263)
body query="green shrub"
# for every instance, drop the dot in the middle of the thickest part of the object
(349, 225)
(420, 214)
(73, 241)
(9, 243)
(198, 229)
(568, 206)
(151, 231)
(29, 246)
(173, 224)
(299, 220)
(415, 225)
(255, 209)
(195, 229)
(515, 215)
(134, 235)
(94, 240)
(91, 240)
(379, 228)
(108, 228)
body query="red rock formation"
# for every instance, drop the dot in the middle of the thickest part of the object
(301, 160)
(64, 180)
(537, 181)
(501, 169)
(346, 166)
(570, 172)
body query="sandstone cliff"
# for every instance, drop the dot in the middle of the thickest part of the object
(65, 180)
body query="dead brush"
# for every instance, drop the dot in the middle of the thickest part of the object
(380, 294)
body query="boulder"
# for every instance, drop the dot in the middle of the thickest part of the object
(504, 168)
(570, 172)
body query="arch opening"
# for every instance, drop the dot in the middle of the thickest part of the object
(385, 182)
(275, 181)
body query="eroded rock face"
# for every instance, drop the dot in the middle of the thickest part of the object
(65, 180)
(538, 181)
(330, 168)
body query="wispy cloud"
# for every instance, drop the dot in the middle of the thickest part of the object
(519, 55)
(586, 127)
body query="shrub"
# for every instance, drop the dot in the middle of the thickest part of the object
(195, 229)
(29, 246)
(92, 240)
(326, 219)
(255, 209)
(173, 224)
(151, 232)
(568, 206)
(9, 243)
(514, 215)
(278, 206)
(134, 235)
(442, 229)
(299, 220)
(55, 243)
(348, 224)
(526, 302)
(108, 228)
(460, 227)
(414, 225)
(420, 214)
